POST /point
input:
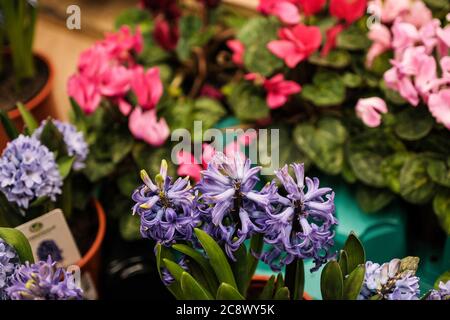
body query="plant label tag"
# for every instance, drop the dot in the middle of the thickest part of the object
(49, 234)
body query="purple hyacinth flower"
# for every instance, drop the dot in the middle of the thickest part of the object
(232, 206)
(388, 282)
(43, 281)
(28, 170)
(442, 293)
(300, 223)
(8, 262)
(49, 248)
(165, 208)
(74, 140)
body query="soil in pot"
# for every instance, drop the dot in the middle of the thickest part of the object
(9, 93)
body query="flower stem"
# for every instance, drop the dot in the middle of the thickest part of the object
(295, 278)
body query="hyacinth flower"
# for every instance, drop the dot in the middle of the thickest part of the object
(43, 280)
(167, 277)
(300, 224)
(165, 208)
(232, 204)
(8, 262)
(389, 282)
(74, 140)
(28, 170)
(442, 293)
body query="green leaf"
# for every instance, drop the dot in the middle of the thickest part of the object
(247, 102)
(201, 261)
(28, 118)
(343, 262)
(391, 167)
(439, 171)
(352, 80)
(373, 199)
(353, 38)
(19, 242)
(323, 143)
(267, 292)
(217, 258)
(134, 17)
(413, 123)
(365, 153)
(227, 292)
(391, 95)
(441, 207)
(355, 252)
(353, 283)
(381, 63)
(65, 165)
(164, 253)
(127, 183)
(336, 59)
(189, 26)
(280, 282)
(78, 116)
(332, 282)
(282, 294)
(10, 129)
(53, 139)
(415, 184)
(255, 35)
(192, 289)
(327, 90)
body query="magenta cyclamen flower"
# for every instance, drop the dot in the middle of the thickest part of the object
(300, 223)
(43, 281)
(388, 282)
(232, 205)
(165, 208)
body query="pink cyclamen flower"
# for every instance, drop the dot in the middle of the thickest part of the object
(332, 35)
(187, 166)
(381, 37)
(145, 126)
(310, 7)
(285, 10)
(369, 111)
(296, 44)
(94, 61)
(418, 14)
(443, 35)
(119, 44)
(389, 10)
(238, 51)
(439, 106)
(278, 89)
(166, 34)
(115, 81)
(404, 35)
(427, 34)
(348, 10)
(84, 92)
(147, 86)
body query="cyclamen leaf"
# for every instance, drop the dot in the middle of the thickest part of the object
(373, 199)
(327, 90)
(247, 102)
(439, 172)
(441, 207)
(415, 184)
(413, 123)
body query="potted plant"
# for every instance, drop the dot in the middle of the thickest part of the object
(202, 232)
(23, 279)
(25, 75)
(39, 173)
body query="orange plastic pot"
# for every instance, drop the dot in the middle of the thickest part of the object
(41, 105)
(90, 262)
(259, 281)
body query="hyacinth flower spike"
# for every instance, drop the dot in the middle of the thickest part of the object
(165, 207)
(299, 225)
(232, 204)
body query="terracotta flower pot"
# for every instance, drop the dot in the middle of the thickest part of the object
(90, 262)
(259, 281)
(41, 105)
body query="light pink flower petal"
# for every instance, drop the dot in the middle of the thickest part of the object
(124, 106)
(287, 12)
(275, 100)
(368, 110)
(439, 106)
(281, 48)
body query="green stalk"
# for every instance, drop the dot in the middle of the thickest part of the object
(295, 278)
